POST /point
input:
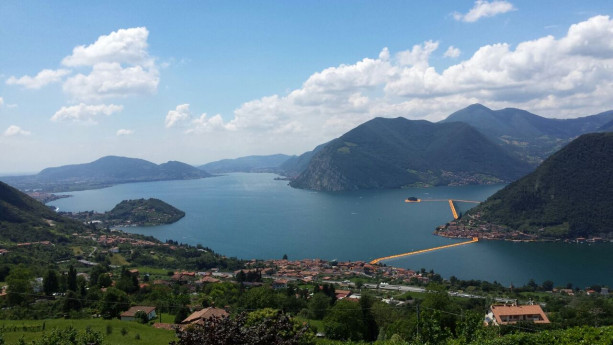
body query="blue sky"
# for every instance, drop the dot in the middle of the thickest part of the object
(197, 81)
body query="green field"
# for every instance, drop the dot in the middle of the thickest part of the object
(148, 335)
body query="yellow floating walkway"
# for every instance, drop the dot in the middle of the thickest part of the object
(376, 261)
(453, 211)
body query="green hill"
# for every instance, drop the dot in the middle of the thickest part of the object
(24, 219)
(270, 163)
(531, 136)
(104, 172)
(143, 212)
(569, 195)
(393, 153)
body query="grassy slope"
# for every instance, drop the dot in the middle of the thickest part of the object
(148, 334)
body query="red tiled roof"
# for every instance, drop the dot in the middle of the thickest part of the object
(205, 313)
(502, 310)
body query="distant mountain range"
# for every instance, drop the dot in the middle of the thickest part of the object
(270, 163)
(394, 153)
(382, 153)
(398, 154)
(104, 172)
(531, 137)
(569, 195)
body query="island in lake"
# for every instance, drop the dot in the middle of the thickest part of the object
(140, 212)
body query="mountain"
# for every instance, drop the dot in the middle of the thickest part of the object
(104, 172)
(607, 127)
(295, 165)
(569, 195)
(530, 136)
(24, 219)
(394, 153)
(270, 163)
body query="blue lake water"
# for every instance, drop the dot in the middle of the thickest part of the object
(255, 216)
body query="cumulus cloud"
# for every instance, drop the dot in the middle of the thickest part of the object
(182, 116)
(15, 131)
(204, 124)
(123, 132)
(44, 77)
(123, 46)
(483, 8)
(452, 52)
(177, 116)
(120, 67)
(116, 65)
(85, 113)
(107, 80)
(557, 77)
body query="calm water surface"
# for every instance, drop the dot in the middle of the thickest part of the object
(254, 216)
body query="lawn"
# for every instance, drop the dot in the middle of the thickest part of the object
(119, 260)
(148, 335)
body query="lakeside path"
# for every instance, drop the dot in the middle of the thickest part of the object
(376, 261)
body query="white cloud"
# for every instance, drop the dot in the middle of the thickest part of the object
(452, 52)
(1, 101)
(204, 124)
(44, 77)
(120, 67)
(483, 8)
(123, 132)
(180, 115)
(15, 131)
(85, 113)
(110, 80)
(122, 46)
(558, 77)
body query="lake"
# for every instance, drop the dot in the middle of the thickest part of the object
(255, 216)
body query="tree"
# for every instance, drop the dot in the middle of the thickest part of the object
(113, 303)
(547, 285)
(277, 329)
(51, 282)
(19, 283)
(71, 302)
(104, 280)
(141, 317)
(284, 256)
(128, 282)
(71, 279)
(371, 331)
(318, 306)
(344, 321)
(182, 314)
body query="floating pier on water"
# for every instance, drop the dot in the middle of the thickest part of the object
(376, 261)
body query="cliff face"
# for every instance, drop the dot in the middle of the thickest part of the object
(393, 153)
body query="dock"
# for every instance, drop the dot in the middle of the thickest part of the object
(376, 261)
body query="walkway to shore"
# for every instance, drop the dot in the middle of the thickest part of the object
(376, 261)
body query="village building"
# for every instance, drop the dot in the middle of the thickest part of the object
(510, 314)
(130, 314)
(199, 316)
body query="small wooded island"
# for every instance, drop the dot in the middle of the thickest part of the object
(140, 212)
